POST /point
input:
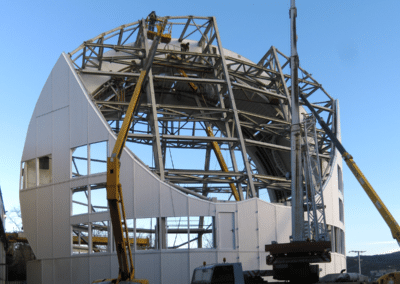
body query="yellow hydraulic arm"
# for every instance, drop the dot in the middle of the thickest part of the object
(386, 215)
(114, 190)
(222, 163)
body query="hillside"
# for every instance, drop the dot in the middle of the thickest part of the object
(374, 262)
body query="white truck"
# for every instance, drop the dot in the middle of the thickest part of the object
(228, 273)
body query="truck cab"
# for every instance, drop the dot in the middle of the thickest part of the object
(221, 273)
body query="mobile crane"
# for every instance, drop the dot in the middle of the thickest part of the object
(386, 215)
(126, 272)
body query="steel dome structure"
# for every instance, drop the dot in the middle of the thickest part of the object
(246, 104)
(210, 123)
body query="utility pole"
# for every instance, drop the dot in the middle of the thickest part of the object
(295, 135)
(359, 260)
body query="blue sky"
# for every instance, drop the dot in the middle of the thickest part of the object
(350, 47)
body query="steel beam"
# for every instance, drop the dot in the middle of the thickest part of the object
(153, 119)
(235, 112)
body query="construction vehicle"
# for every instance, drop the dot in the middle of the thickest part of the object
(231, 273)
(126, 272)
(386, 215)
(390, 278)
(309, 243)
(344, 277)
(290, 260)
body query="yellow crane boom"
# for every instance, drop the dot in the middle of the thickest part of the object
(114, 189)
(383, 210)
(385, 213)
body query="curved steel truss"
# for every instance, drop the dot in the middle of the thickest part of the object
(246, 105)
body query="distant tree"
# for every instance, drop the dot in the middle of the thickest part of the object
(18, 254)
(14, 216)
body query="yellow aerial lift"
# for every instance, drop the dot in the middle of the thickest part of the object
(114, 191)
(386, 215)
(165, 38)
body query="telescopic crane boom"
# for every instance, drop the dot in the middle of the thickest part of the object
(114, 189)
(386, 215)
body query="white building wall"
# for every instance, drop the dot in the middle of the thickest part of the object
(72, 120)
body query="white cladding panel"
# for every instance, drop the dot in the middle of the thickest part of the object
(62, 270)
(250, 260)
(61, 220)
(267, 223)
(45, 102)
(146, 193)
(30, 141)
(175, 263)
(147, 266)
(97, 127)
(328, 201)
(60, 83)
(166, 205)
(34, 270)
(127, 182)
(179, 203)
(100, 267)
(114, 264)
(80, 268)
(78, 115)
(44, 128)
(248, 225)
(47, 271)
(61, 151)
(230, 256)
(283, 218)
(45, 222)
(198, 207)
(28, 205)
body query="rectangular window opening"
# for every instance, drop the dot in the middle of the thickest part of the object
(332, 237)
(79, 161)
(343, 242)
(131, 232)
(146, 233)
(80, 200)
(98, 198)
(100, 236)
(80, 238)
(22, 181)
(177, 232)
(340, 179)
(29, 173)
(45, 170)
(98, 157)
(201, 232)
(341, 211)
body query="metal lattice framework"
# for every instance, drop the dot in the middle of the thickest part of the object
(246, 104)
(315, 223)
